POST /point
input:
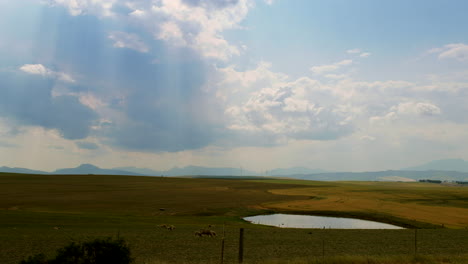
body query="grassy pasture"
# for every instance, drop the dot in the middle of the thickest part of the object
(443, 205)
(90, 206)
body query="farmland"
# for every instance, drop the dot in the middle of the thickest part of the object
(40, 213)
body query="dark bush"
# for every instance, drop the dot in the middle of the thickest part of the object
(37, 259)
(98, 251)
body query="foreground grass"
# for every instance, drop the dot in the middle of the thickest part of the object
(417, 259)
(35, 233)
(39, 214)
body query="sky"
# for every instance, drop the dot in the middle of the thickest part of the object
(338, 85)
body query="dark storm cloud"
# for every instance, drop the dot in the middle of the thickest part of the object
(28, 101)
(160, 99)
(171, 113)
(154, 137)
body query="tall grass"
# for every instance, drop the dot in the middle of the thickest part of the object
(403, 259)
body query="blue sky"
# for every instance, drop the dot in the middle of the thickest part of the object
(336, 85)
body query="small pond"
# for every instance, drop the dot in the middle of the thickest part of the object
(309, 221)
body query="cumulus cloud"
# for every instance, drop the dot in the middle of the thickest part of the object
(128, 40)
(39, 69)
(417, 108)
(197, 24)
(458, 51)
(82, 7)
(36, 69)
(287, 111)
(407, 111)
(330, 67)
(264, 104)
(261, 103)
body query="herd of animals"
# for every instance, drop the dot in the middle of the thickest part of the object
(200, 233)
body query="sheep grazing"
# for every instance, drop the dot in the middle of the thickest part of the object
(168, 227)
(205, 232)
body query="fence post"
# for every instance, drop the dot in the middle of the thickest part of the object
(241, 245)
(415, 241)
(222, 244)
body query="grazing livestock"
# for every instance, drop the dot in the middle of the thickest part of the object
(168, 227)
(205, 232)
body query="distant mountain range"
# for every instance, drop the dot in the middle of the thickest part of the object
(390, 175)
(21, 170)
(192, 170)
(293, 171)
(442, 165)
(91, 169)
(450, 170)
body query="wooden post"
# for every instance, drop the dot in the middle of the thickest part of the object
(222, 244)
(241, 245)
(415, 241)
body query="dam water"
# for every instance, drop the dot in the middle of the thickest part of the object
(310, 221)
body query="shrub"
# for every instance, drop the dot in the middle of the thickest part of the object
(98, 251)
(36, 259)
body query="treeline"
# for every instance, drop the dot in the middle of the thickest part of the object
(439, 181)
(430, 181)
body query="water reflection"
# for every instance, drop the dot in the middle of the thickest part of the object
(309, 221)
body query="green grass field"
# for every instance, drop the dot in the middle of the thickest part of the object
(40, 213)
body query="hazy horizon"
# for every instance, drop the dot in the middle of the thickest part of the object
(258, 84)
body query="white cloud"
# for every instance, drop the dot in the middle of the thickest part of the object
(407, 112)
(181, 23)
(364, 54)
(81, 7)
(195, 24)
(230, 83)
(91, 101)
(330, 67)
(128, 40)
(458, 51)
(353, 51)
(271, 105)
(417, 108)
(359, 52)
(39, 69)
